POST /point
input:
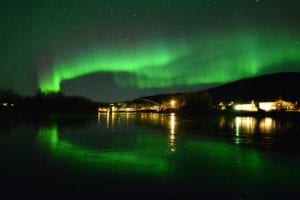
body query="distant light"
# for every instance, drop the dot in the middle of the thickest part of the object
(12, 105)
(267, 106)
(4, 104)
(103, 110)
(172, 123)
(129, 109)
(245, 124)
(267, 125)
(246, 107)
(173, 103)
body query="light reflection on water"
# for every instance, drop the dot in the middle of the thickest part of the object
(185, 155)
(267, 125)
(251, 125)
(167, 121)
(148, 158)
(264, 132)
(242, 129)
(172, 136)
(243, 125)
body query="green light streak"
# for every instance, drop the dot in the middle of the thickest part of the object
(135, 61)
(217, 59)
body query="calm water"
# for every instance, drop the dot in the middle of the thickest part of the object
(149, 156)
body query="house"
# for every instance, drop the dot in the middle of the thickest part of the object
(267, 106)
(247, 107)
(277, 105)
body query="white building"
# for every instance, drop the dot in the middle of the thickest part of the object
(266, 106)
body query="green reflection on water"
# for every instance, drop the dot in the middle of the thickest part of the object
(223, 156)
(240, 169)
(48, 135)
(143, 160)
(183, 158)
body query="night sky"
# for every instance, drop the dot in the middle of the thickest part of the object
(118, 50)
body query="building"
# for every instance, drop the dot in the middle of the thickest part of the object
(268, 106)
(247, 107)
(277, 105)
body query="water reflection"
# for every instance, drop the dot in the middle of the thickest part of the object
(146, 154)
(251, 125)
(245, 125)
(265, 132)
(111, 119)
(244, 130)
(267, 125)
(172, 136)
(140, 148)
(172, 124)
(222, 121)
(165, 121)
(138, 160)
(48, 135)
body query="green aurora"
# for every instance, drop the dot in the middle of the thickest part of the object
(137, 48)
(160, 63)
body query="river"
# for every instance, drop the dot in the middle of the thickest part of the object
(149, 156)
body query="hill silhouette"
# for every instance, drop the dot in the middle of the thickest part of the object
(262, 88)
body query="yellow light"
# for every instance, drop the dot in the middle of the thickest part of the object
(222, 121)
(245, 124)
(173, 103)
(267, 106)
(267, 125)
(102, 109)
(172, 123)
(246, 107)
(99, 117)
(172, 136)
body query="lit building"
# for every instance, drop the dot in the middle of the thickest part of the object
(221, 106)
(171, 105)
(103, 109)
(248, 107)
(276, 105)
(266, 106)
(127, 109)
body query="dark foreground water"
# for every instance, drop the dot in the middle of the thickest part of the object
(149, 156)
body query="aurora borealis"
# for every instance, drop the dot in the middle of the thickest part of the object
(164, 66)
(126, 49)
